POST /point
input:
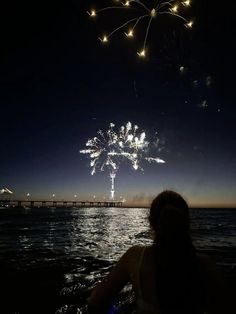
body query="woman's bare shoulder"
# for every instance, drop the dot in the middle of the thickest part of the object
(205, 260)
(136, 250)
(133, 254)
(210, 268)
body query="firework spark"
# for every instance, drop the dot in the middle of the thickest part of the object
(110, 148)
(144, 12)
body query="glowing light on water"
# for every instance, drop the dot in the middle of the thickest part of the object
(146, 13)
(108, 149)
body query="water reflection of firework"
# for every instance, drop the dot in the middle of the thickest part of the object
(109, 148)
(144, 13)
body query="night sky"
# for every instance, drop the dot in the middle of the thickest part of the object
(60, 85)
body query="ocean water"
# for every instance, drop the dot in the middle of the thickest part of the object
(50, 259)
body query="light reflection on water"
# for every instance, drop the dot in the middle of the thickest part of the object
(107, 232)
(102, 233)
(83, 244)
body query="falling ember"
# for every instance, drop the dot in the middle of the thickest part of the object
(127, 3)
(142, 53)
(189, 24)
(153, 13)
(174, 9)
(104, 39)
(92, 13)
(186, 3)
(110, 148)
(145, 14)
(130, 33)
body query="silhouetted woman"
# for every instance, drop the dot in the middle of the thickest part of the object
(168, 277)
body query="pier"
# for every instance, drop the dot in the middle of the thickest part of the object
(59, 204)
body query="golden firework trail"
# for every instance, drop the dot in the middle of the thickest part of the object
(144, 12)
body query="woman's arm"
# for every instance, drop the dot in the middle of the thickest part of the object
(105, 292)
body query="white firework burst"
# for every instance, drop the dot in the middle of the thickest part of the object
(110, 148)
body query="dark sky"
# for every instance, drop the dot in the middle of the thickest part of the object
(60, 85)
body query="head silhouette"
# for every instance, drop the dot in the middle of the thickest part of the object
(178, 277)
(169, 217)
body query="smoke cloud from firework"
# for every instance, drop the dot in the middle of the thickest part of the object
(110, 148)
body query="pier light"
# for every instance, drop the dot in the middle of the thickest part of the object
(28, 194)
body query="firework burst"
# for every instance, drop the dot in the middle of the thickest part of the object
(110, 148)
(144, 13)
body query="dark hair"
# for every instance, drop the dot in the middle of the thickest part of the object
(179, 281)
